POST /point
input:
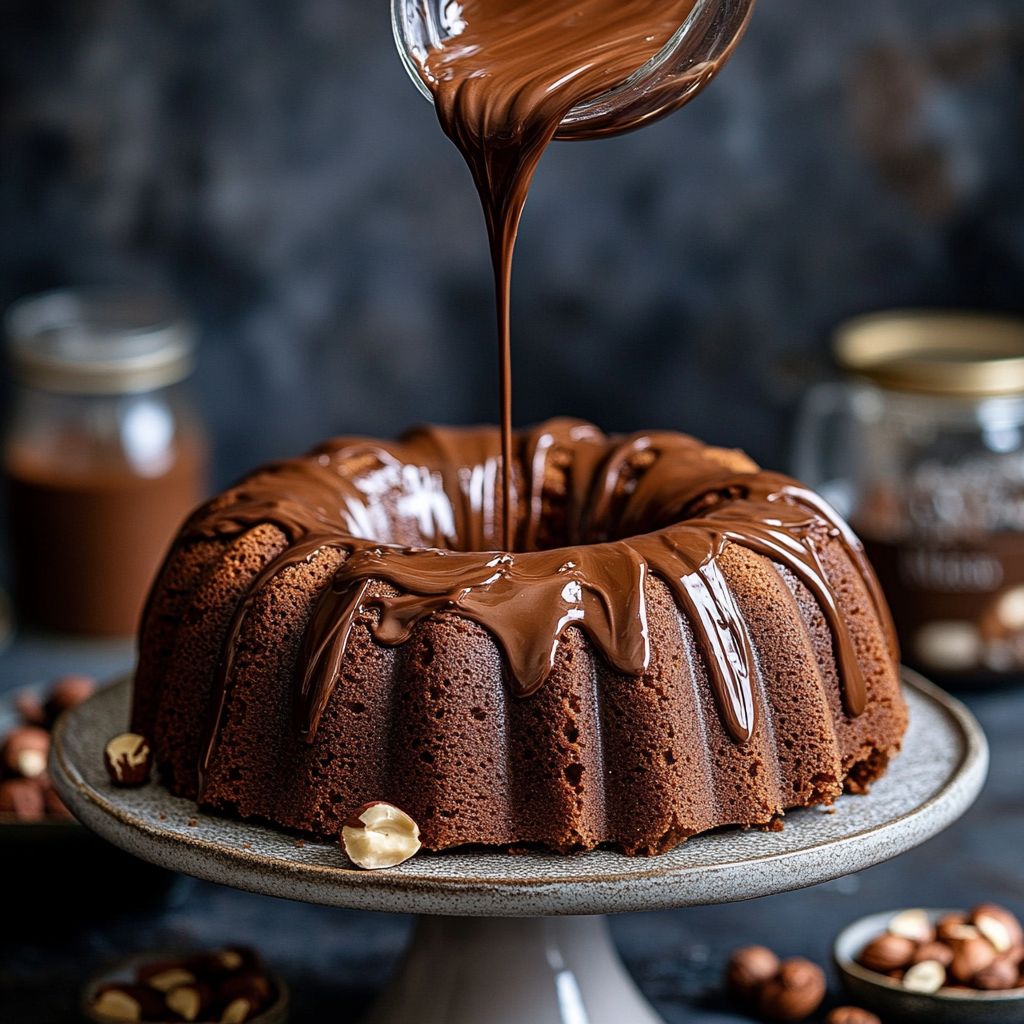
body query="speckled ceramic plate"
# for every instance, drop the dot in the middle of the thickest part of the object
(934, 780)
(890, 999)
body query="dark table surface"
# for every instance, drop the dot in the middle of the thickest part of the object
(336, 960)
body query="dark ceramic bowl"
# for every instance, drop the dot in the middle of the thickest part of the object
(892, 1002)
(123, 971)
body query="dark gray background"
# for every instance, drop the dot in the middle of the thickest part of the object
(270, 163)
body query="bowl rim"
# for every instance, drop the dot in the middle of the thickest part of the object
(847, 965)
(132, 960)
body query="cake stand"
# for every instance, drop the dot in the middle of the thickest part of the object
(513, 939)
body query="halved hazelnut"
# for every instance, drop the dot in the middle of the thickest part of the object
(237, 1011)
(928, 976)
(25, 750)
(949, 923)
(379, 835)
(914, 925)
(998, 925)
(188, 1001)
(172, 977)
(128, 759)
(118, 1005)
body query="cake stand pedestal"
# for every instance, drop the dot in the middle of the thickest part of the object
(511, 939)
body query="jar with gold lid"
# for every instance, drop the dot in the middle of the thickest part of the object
(103, 454)
(921, 448)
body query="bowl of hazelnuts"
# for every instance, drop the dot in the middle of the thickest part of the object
(936, 965)
(26, 795)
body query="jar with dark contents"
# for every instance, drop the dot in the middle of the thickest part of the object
(103, 454)
(922, 449)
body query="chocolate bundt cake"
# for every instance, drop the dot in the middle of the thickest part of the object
(678, 641)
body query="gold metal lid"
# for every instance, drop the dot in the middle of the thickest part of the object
(957, 354)
(95, 342)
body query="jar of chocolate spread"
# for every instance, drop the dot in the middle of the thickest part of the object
(922, 449)
(103, 455)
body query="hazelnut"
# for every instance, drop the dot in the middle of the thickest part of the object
(914, 925)
(950, 921)
(998, 925)
(253, 987)
(167, 978)
(379, 835)
(188, 1001)
(129, 1002)
(128, 759)
(934, 951)
(928, 976)
(969, 957)
(24, 751)
(1002, 973)
(67, 692)
(794, 993)
(23, 798)
(887, 953)
(30, 709)
(851, 1015)
(749, 968)
(236, 1011)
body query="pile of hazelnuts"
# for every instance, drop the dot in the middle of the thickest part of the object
(983, 949)
(25, 788)
(229, 986)
(784, 990)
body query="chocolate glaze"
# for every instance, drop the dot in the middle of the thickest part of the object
(421, 515)
(503, 81)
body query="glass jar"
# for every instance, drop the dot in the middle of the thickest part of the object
(922, 450)
(103, 454)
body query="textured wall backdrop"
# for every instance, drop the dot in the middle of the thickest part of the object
(270, 162)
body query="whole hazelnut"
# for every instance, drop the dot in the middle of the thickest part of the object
(749, 968)
(914, 925)
(998, 925)
(969, 957)
(887, 953)
(934, 951)
(22, 798)
(794, 993)
(1000, 974)
(946, 926)
(851, 1015)
(128, 759)
(24, 751)
(30, 709)
(68, 692)
(55, 806)
(379, 835)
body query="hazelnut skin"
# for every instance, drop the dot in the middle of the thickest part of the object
(749, 968)
(946, 927)
(22, 798)
(851, 1015)
(934, 951)
(68, 692)
(887, 953)
(969, 957)
(1001, 974)
(794, 993)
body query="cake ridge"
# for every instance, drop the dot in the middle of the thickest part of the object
(527, 599)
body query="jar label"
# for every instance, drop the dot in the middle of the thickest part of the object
(958, 606)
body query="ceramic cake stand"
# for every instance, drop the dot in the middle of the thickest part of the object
(502, 938)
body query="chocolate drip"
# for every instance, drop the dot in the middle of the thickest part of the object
(502, 82)
(428, 492)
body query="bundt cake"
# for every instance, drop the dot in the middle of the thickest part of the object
(678, 641)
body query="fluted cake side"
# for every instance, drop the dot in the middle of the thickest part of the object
(679, 641)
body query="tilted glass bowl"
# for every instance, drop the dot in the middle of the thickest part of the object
(672, 77)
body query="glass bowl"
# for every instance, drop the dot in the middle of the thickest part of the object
(672, 77)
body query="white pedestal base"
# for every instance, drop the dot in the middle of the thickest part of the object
(534, 970)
